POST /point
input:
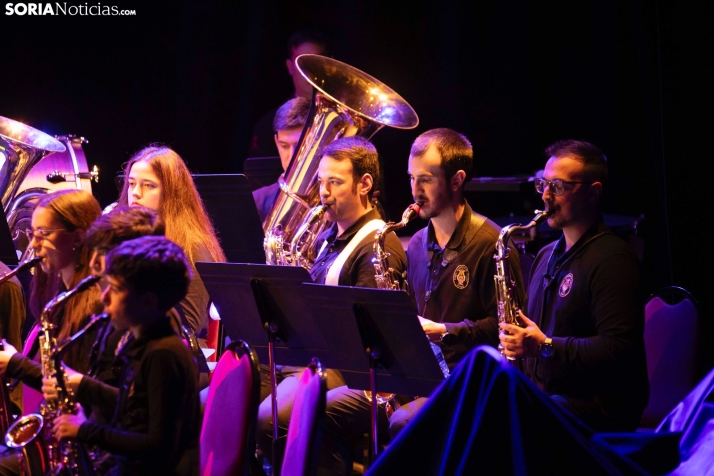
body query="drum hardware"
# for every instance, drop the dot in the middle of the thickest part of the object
(38, 165)
(57, 176)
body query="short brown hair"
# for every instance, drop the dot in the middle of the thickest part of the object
(361, 153)
(594, 161)
(455, 150)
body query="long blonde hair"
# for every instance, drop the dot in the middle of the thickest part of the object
(181, 208)
(75, 209)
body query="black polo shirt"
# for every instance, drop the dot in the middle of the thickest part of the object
(589, 299)
(358, 269)
(455, 285)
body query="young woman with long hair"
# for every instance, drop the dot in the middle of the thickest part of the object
(59, 225)
(157, 177)
(60, 222)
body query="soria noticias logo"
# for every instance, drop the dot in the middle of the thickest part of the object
(63, 9)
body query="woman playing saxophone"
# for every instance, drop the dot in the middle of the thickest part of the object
(57, 235)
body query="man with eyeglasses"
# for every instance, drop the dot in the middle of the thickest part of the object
(584, 335)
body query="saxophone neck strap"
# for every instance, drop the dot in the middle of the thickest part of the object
(333, 275)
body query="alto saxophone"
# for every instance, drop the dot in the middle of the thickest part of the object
(388, 278)
(32, 434)
(385, 276)
(506, 290)
(74, 456)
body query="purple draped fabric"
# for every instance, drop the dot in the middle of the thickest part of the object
(488, 418)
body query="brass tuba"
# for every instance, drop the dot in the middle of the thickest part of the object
(346, 102)
(21, 148)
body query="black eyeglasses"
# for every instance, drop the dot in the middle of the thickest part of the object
(557, 186)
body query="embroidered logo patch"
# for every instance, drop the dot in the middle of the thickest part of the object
(461, 276)
(566, 285)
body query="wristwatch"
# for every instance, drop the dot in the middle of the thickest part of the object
(444, 334)
(546, 348)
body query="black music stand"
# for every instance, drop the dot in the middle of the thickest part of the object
(264, 306)
(391, 346)
(262, 171)
(229, 202)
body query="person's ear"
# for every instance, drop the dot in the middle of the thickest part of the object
(78, 237)
(365, 184)
(457, 180)
(595, 191)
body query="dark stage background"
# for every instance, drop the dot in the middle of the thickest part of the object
(630, 76)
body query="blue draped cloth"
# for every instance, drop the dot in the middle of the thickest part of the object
(488, 418)
(694, 418)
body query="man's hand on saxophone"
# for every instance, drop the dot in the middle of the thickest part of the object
(66, 425)
(6, 354)
(521, 342)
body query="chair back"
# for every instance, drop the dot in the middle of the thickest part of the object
(304, 431)
(230, 418)
(671, 343)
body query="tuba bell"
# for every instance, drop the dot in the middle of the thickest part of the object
(21, 148)
(346, 102)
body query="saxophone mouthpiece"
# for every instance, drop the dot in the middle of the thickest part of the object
(412, 211)
(541, 216)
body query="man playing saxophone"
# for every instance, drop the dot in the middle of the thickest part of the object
(347, 174)
(584, 334)
(450, 263)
